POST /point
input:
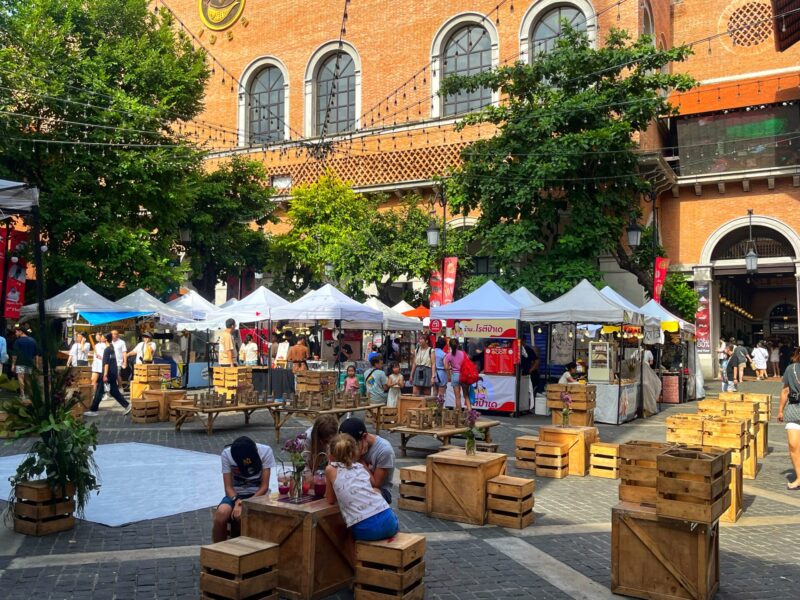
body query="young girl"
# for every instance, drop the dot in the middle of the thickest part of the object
(396, 383)
(364, 510)
(318, 436)
(351, 385)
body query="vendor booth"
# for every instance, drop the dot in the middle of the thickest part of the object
(393, 322)
(581, 309)
(490, 317)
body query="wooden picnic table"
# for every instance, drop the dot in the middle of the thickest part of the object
(281, 414)
(212, 412)
(442, 434)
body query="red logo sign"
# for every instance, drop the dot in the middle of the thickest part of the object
(436, 326)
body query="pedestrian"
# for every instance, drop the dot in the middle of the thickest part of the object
(440, 375)
(723, 370)
(109, 383)
(25, 355)
(79, 352)
(376, 382)
(775, 359)
(121, 352)
(248, 353)
(343, 351)
(760, 359)
(318, 439)
(97, 361)
(145, 350)
(722, 356)
(743, 357)
(785, 354)
(3, 354)
(568, 376)
(374, 452)
(227, 350)
(452, 363)
(789, 413)
(396, 383)
(422, 362)
(475, 351)
(529, 365)
(351, 383)
(732, 368)
(376, 351)
(298, 354)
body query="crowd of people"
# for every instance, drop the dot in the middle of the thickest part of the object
(767, 359)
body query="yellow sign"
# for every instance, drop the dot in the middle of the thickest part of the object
(220, 14)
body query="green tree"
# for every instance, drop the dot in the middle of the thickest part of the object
(101, 72)
(558, 183)
(225, 221)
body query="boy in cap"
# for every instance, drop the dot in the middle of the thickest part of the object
(375, 453)
(245, 473)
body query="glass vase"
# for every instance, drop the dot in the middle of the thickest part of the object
(470, 446)
(297, 483)
(565, 419)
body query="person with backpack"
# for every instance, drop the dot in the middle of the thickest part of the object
(144, 351)
(453, 363)
(376, 382)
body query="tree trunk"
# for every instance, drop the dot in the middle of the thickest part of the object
(206, 285)
(644, 277)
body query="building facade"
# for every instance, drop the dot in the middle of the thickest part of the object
(352, 87)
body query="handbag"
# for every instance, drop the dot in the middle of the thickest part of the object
(794, 397)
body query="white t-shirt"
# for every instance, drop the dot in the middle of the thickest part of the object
(139, 349)
(248, 352)
(566, 378)
(120, 348)
(357, 499)
(97, 361)
(242, 484)
(79, 352)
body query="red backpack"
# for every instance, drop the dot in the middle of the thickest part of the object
(469, 372)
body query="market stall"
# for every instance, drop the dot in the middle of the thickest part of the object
(537, 341)
(394, 322)
(585, 304)
(490, 316)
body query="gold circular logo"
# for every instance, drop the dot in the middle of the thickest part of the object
(220, 14)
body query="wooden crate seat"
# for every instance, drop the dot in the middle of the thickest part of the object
(392, 568)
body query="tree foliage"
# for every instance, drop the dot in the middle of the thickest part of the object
(559, 182)
(230, 207)
(107, 72)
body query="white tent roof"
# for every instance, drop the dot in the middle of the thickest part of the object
(79, 298)
(141, 301)
(17, 197)
(328, 303)
(402, 307)
(194, 305)
(655, 309)
(582, 304)
(650, 321)
(525, 297)
(393, 320)
(229, 303)
(489, 301)
(255, 307)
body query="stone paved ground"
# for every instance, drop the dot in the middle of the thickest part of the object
(566, 554)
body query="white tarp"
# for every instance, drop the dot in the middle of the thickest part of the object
(141, 301)
(229, 303)
(489, 301)
(402, 307)
(254, 308)
(194, 305)
(582, 304)
(526, 298)
(17, 197)
(651, 322)
(653, 308)
(79, 298)
(393, 320)
(328, 304)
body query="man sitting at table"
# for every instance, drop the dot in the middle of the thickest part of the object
(375, 453)
(245, 474)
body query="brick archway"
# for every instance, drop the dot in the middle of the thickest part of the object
(758, 220)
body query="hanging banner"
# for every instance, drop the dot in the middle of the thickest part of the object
(450, 270)
(16, 274)
(483, 328)
(435, 298)
(562, 344)
(702, 319)
(660, 275)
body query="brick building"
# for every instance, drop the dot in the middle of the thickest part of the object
(351, 86)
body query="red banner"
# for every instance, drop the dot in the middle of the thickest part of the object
(450, 270)
(660, 275)
(16, 273)
(435, 298)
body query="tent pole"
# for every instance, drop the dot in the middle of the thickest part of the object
(37, 259)
(6, 246)
(209, 373)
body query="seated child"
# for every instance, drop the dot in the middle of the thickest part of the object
(245, 473)
(318, 437)
(364, 510)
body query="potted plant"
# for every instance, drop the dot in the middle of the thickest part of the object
(55, 479)
(472, 418)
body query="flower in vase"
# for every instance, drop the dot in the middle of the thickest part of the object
(472, 417)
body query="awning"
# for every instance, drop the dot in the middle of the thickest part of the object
(101, 318)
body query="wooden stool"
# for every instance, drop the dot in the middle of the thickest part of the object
(413, 481)
(510, 501)
(391, 568)
(552, 459)
(240, 568)
(144, 411)
(604, 460)
(486, 447)
(526, 452)
(737, 496)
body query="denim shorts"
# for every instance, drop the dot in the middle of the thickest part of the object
(229, 501)
(377, 527)
(455, 377)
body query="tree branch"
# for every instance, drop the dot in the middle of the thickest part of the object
(643, 276)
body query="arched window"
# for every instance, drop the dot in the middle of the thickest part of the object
(335, 96)
(267, 101)
(547, 29)
(648, 24)
(468, 51)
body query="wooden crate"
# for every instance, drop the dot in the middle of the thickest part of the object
(762, 439)
(145, 411)
(452, 419)
(724, 432)
(343, 401)
(604, 460)
(420, 418)
(38, 511)
(413, 482)
(685, 429)
(388, 417)
(408, 401)
(646, 563)
(510, 501)
(638, 472)
(579, 393)
(714, 407)
(392, 568)
(525, 452)
(456, 484)
(164, 398)
(580, 440)
(151, 373)
(241, 567)
(736, 488)
(80, 376)
(552, 459)
(693, 484)
(577, 418)
(731, 396)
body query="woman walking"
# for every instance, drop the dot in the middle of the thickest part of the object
(775, 359)
(422, 368)
(452, 363)
(789, 413)
(760, 359)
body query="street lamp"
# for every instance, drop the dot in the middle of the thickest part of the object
(328, 272)
(634, 235)
(751, 257)
(433, 234)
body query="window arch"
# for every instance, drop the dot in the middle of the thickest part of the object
(467, 44)
(264, 102)
(542, 24)
(333, 90)
(648, 24)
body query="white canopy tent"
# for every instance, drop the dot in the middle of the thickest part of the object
(254, 308)
(17, 197)
(329, 304)
(489, 301)
(402, 307)
(194, 305)
(651, 322)
(143, 302)
(229, 303)
(582, 304)
(77, 299)
(526, 298)
(393, 320)
(669, 322)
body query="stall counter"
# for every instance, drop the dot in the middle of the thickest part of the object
(616, 403)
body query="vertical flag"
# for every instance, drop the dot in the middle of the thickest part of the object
(659, 276)
(436, 296)
(449, 286)
(16, 273)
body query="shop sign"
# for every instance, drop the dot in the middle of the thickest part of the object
(218, 15)
(435, 326)
(702, 319)
(16, 273)
(484, 328)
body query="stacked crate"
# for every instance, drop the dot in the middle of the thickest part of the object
(420, 418)
(242, 567)
(743, 411)
(552, 459)
(144, 411)
(40, 510)
(453, 419)
(638, 471)
(341, 400)
(693, 484)
(148, 377)
(231, 381)
(604, 460)
(685, 429)
(315, 382)
(413, 482)
(80, 376)
(584, 401)
(510, 501)
(392, 568)
(525, 452)
(764, 402)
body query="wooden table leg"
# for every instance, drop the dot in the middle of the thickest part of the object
(279, 422)
(210, 423)
(487, 435)
(181, 418)
(376, 413)
(247, 414)
(404, 437)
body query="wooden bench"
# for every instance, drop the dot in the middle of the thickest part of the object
(440, 434)
(240, 568)
(392, 568)
(209, 414)
(281, 414)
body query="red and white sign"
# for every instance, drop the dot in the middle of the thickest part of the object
(435, 297)
(435, 326)
(17, 272)
(702, 319)
(659, 276)
(450, 270)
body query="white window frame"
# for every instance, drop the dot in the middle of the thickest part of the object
(437, 51)
(243, 111)
(310, 83)
(542, 7)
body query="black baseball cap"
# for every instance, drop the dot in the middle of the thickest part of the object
(245, 455)
(353, 427)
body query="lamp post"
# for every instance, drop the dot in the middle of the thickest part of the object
(751, 257)
(437, 237)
